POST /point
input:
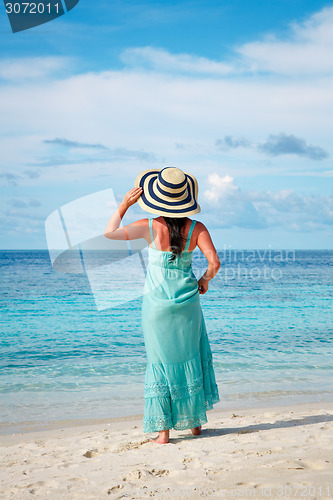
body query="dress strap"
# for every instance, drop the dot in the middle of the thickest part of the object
(189, 235)
(151, 232)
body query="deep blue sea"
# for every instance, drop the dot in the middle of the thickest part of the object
(63, 355)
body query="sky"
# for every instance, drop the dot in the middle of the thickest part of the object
(239, 94)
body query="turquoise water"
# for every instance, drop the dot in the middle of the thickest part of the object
(268, 316)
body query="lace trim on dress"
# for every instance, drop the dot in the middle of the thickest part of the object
(164, 422)
(157, 423)
(176, 392)
(211, 400)
(157, 389)
(162, 389)
(206, 383)
(185, 422)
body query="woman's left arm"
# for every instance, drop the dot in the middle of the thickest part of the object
(131, 232)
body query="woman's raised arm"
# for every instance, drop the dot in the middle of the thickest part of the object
(138, 229)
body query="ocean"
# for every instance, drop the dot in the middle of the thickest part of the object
(64, 356)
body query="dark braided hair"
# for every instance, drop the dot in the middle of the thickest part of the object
(176, 228)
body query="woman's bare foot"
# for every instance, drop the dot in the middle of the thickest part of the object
(162, 438)
(196, 431)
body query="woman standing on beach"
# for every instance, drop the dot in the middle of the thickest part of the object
(180, 382)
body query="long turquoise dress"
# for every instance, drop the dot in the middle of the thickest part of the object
(180, 383)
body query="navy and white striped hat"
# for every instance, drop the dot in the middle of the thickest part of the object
(168, 191)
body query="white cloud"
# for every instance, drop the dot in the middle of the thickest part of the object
(307, 52)
(230, 206)
(33, 68)
(162, 60)
(150, 112)
(219, 187)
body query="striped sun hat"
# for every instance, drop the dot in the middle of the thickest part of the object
(168, 191)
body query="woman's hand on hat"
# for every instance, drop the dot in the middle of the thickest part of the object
(132, 197)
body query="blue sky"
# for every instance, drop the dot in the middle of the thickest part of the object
(237, 93)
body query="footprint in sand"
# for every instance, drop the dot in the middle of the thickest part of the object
(221, 446)
(216, 472)
(36, 487)
(115, 489)
(130, 446)
(135, 474)
(195, 462)
(91, 453)
(139, 474)
(318, 465)
(159, 473)
(289, 464)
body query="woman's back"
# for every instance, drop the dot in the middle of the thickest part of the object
(162, 236)
(199, 237)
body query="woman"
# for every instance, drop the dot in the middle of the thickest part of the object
(180, 381)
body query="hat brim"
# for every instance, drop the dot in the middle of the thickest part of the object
(152, 202)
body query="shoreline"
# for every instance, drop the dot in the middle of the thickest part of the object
(268, 452)
(123, 413)
(40, 427)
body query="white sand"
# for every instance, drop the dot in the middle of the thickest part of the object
(284, 452)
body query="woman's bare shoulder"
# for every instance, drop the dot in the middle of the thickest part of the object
(140, 222)
(200, 226)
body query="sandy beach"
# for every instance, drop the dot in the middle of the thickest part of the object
(284, 452)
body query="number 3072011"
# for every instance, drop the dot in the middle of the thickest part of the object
(31, 8)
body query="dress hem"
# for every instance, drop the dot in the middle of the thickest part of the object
(164, 422)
